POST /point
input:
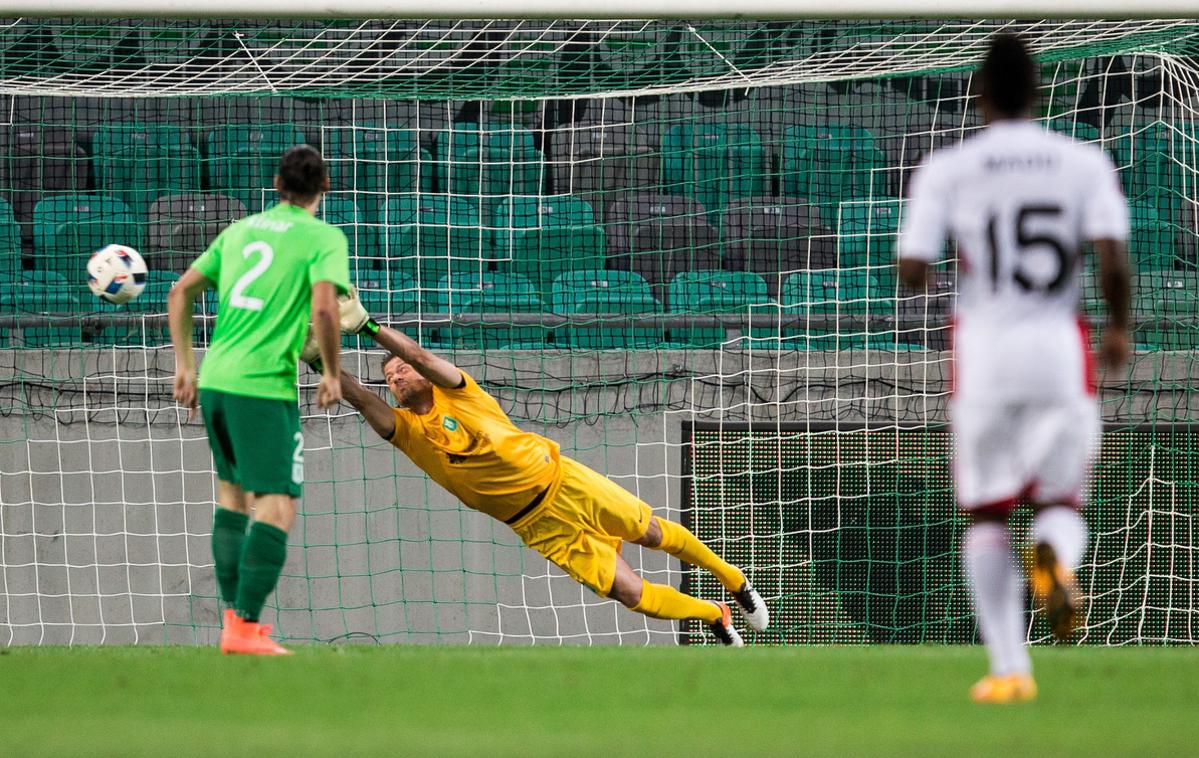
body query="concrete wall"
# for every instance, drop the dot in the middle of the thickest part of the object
(106, 492)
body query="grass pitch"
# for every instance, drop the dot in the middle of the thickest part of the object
(417, 701)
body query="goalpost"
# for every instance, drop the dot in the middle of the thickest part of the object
(667, 245)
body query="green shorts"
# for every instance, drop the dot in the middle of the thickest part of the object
(256, 443)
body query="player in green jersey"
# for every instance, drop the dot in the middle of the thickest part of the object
(272, 270)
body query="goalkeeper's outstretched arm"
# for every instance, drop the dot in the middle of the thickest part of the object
(355, 320)
(372, 407)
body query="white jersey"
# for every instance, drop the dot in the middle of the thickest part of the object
(1019, 201)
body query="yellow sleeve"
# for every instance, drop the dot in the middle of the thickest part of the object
(468, 388)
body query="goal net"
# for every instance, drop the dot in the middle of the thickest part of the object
(666, 245)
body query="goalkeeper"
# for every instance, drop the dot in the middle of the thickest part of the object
(578, 519)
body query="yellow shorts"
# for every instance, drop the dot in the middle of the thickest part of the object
(580, 529)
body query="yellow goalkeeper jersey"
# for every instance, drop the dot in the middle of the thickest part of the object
(468, 445)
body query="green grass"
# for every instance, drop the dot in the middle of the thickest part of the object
(416, 701)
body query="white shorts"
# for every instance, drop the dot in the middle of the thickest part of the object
(1039, 449)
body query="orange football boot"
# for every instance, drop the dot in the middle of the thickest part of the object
(1013, 688)
(242, 637)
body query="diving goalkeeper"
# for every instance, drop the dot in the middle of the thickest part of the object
(458, 435)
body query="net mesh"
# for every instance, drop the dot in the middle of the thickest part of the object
(640, 237)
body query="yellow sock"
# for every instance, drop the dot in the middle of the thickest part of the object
(661, 601)
(682, 544)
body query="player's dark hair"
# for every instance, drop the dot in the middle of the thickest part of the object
(386, 360)
(302, 173)
(1008, 77)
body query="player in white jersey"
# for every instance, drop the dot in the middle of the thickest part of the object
(1020, 202)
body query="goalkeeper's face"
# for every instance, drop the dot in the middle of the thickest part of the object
(406, 384)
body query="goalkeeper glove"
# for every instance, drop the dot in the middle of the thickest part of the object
(354, 318)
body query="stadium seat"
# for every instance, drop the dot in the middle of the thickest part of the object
(374, 164)
(340, 210)
(544, 237)
(10, 240)
(661, 235)
(774, 237)
(182, 227)
(140, 163)
(866, 233)
(387, 297)
(242, 160)
(1151, 246)
(430, 236)
(606, 292)
(713, 163)
(490, 292)
(1167, 305)
(36, 163)
(657, 236)
(1151, 168)
(1079, 130)
(39, 293)
(830, 163)
(482, 162)
(591, 159)
(67, 229)
(711, 292)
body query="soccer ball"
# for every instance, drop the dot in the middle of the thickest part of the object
(116, 273)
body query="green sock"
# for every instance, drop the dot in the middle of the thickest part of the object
(261, 561)
(228, 532)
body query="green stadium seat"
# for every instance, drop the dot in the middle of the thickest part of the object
(140, 163)
(242, 160)
(866, 233)
(608, 292)
(10, 240)
(490, 292)
(1152, 169)
(829, 164)
(481, 162)
(386, 296)
(1079, 130)
(374, 164)
(713, 163)
(340, 210)
(67, 229)
(430, 236)
(544, 237)
(710, 292)
(1151, 246)
(40, 293)
(1167, 307)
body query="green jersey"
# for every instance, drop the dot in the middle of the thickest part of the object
(264, 267)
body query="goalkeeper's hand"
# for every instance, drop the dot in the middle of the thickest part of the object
(311, 352)
(353, 317)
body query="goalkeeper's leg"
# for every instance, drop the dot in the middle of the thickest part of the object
(677, 540)
(661, 601)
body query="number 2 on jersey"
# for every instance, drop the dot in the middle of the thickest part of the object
(238, 297)
(1027, 240)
